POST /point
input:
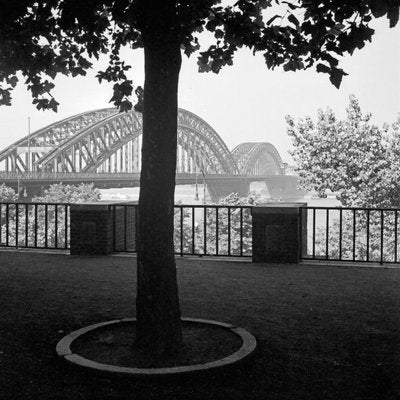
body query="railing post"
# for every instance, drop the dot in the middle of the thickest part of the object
(279, 232)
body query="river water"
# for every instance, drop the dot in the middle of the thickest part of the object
(186, 194)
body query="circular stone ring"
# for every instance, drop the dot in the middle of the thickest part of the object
(248, 346)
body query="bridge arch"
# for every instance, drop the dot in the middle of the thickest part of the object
(16, 157)
(108, 141)
(258, 158)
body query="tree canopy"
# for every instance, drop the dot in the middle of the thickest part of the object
(60, 193)
(7, 193)
(352, 157)
(42, 39)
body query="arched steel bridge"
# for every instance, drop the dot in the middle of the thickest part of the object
(104, 145)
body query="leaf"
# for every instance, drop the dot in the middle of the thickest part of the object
(323, 68)
(331, 60)
(125, 106)
(378, 8)
(219, 33)
(269, 60)
(293, 20)
(290, 5)
(85, 64)
(5, 97)
(13, 81)
(271, 20)
(53, 104)
(393, 16)
(140, 98)
(336, 76)
(212, 24)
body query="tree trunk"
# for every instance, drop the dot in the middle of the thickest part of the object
(157, 303)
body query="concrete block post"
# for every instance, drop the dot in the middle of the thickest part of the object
(279, 232)
(91, 229)
(101, 228)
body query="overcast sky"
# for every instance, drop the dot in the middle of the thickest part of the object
(245, 102)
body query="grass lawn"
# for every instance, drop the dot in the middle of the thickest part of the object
(324, 332)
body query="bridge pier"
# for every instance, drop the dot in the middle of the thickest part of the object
(220, 189)
(283, 187)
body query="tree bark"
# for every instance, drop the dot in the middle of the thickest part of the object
(157, 303)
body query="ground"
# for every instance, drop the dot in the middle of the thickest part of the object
(324, 332)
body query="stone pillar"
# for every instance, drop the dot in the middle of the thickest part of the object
(101, 228)
(91, 229)
(279, 232)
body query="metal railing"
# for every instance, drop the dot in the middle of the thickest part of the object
(124, 227)
(202, 230)
(199, 229)
(327, 233)
(350, 234)
(34, 225)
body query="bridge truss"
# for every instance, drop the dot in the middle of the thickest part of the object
(106, 141)
(258, 159)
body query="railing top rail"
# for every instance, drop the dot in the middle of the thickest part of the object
(338, 208)
(29, 203)
(211, 206)
(131, 203)
(123, 204)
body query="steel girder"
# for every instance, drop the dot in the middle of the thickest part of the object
(107, 146)
(94, 145)
(25, 153)
(258, 158)
(196, 154)
(212, 152)
(107, 141)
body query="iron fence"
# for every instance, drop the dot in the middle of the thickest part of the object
(124, 227)
(350, 234)
(328, 233)
(34, 225)
(202, 230)
(198, 230)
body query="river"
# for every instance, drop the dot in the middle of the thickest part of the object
(186, 194)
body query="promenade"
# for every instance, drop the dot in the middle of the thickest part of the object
(324, 332)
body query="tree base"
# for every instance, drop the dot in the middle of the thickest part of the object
(109, 347)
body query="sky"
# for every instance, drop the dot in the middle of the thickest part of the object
(243, 103)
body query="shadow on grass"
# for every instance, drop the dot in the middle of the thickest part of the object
(323, 332)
